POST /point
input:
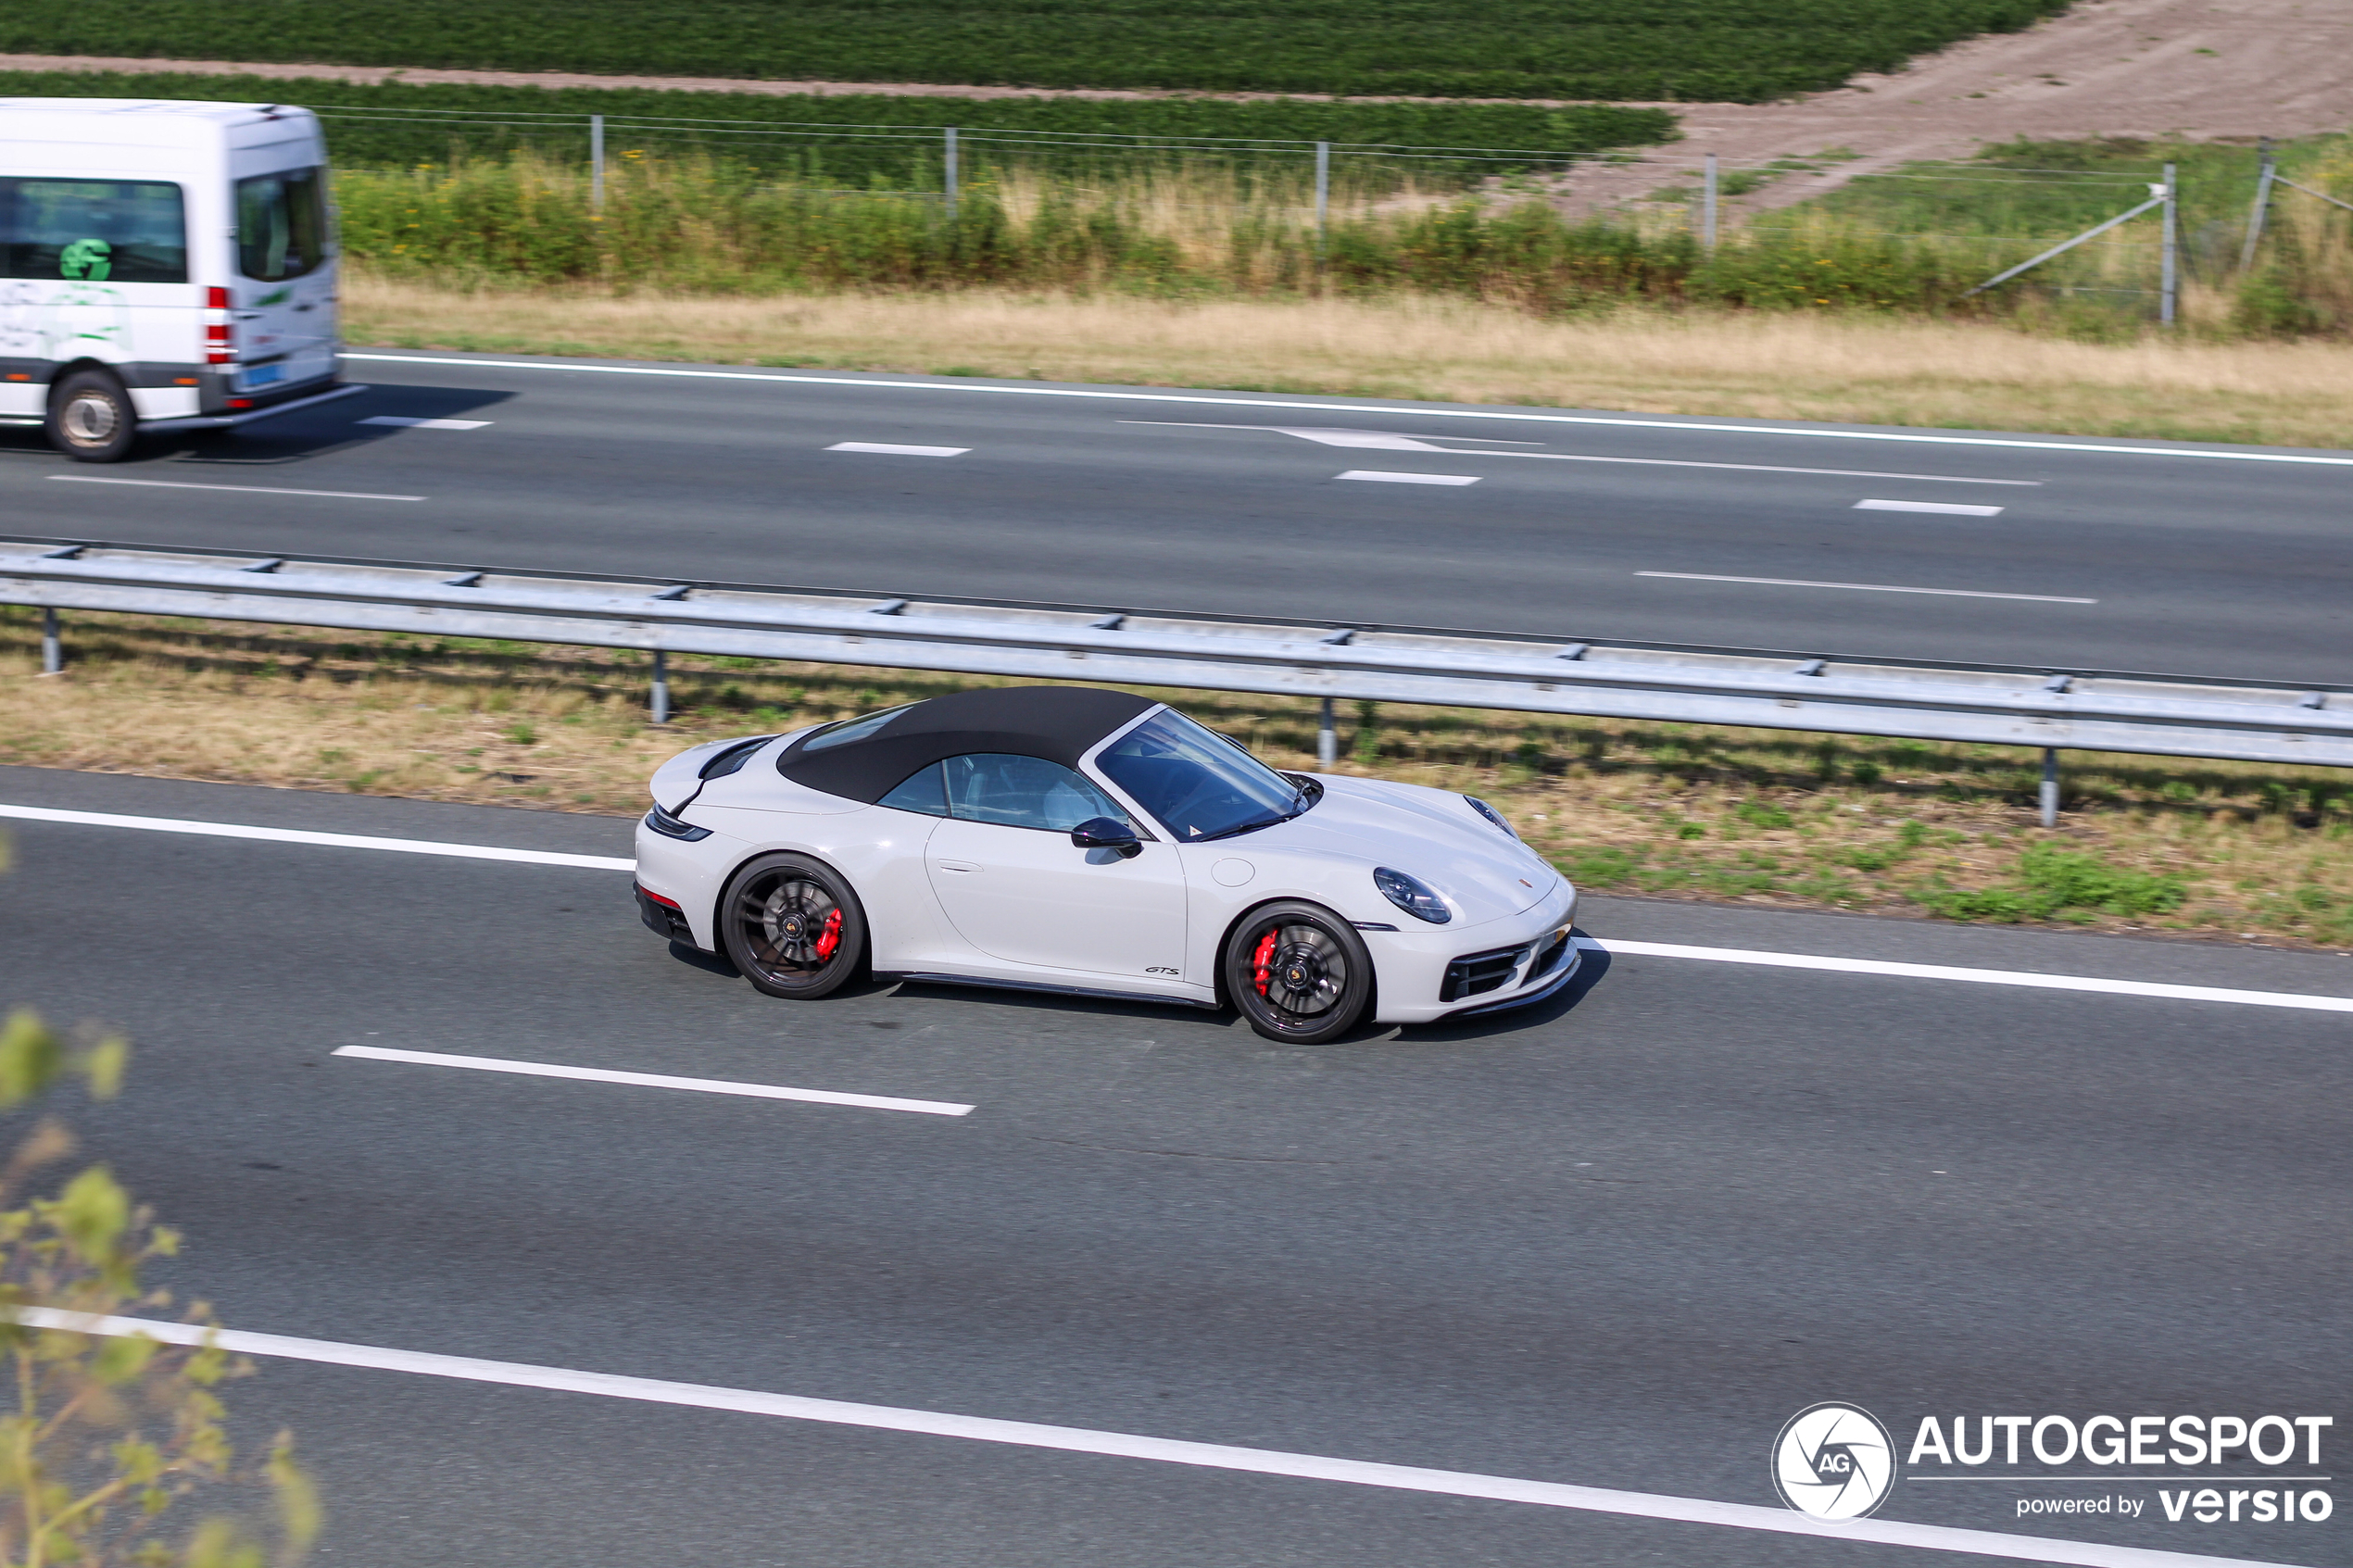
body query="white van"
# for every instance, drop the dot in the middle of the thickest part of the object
(163, 265)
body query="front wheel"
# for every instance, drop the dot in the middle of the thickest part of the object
(793, 926)
(91, 419)
(1297, 973)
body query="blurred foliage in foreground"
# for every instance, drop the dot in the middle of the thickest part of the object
(107, 1433)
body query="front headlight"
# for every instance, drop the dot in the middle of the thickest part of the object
(1491, 814)
(1411, 896)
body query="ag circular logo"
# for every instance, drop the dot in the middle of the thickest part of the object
(1833, 1461)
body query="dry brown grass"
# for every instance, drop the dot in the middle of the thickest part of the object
(1754, 816)
(1862, 369)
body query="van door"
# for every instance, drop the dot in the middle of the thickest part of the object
(284, 303)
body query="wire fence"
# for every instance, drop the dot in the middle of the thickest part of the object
(2122, 235)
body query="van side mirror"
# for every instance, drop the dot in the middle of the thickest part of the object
(1107, 833)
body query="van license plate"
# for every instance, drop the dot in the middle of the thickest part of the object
(262, 375)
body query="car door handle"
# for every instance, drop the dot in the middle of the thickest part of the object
(956, 865)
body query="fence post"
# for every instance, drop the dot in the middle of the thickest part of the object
(1327, 739)
(2050, 794)
(2263, 206)
(597, 161)
(2169, 284)
(948, 165)
(1323, 191)
(661, 687)
(1707, 206)
(53, 650)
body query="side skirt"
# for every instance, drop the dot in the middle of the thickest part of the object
(930, 979)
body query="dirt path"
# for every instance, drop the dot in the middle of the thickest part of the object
(2205, 68)
(2200, 68)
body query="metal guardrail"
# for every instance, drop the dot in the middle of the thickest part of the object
(2152, 714)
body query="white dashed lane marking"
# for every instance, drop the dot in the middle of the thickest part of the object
(653, 1080)
(1868, 587)
(1380, 477)
(1948, 508)
(240, 489)
(407, 422)
(891, 449)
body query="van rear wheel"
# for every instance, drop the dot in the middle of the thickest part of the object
(91, 419)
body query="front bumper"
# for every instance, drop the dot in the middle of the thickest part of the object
(1429, 974)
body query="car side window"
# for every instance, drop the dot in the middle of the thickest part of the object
(923, 790)
(1022, 792)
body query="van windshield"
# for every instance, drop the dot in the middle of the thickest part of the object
(94, 231)
(282, 224)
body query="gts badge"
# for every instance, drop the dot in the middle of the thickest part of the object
(1160, 969)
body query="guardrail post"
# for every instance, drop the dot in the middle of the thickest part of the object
(948, 168)
(53, 651)
(2168, 301)
(1708, 204)
(2049, 800)
(661, 687)
(1327, 739)
(597, 161)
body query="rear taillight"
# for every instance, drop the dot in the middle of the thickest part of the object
(220, 345)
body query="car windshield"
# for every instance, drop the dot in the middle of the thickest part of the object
(1195, 781)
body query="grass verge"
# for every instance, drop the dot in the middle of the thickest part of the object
(1842, 368)
(1759, 817)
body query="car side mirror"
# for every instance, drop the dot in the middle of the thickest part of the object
(1107, 833)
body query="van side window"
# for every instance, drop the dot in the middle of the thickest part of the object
(282, 224)
(94, 231)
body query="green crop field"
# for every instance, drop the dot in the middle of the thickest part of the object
(401, 126)
(1688, 50)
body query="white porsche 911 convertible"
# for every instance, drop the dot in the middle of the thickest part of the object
(1075, 839)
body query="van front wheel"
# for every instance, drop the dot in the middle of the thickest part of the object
(91, 419)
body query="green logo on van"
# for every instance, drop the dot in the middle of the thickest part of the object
(86, 258)
(276, 297)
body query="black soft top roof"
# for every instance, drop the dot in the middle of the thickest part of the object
(1060, 724)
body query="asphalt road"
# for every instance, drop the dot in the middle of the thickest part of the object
(1206, 502)
(1613, 1242)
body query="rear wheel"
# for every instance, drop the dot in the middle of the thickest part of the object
(1297, 973)
(793, 926)
(91, 419)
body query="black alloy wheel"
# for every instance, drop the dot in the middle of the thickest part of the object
(91, 419)
(1297, 973)
(792, 926)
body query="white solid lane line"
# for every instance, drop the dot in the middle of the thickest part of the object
(1655, 949)
(1125, 1445)
(653, 1080)
(1948, 509)
(1868, 587)
(327, 840)
(1415, 444)
(892, 450)
(1407, 411)
(408, 421)
(2027, 978)
(1378, 477)
(241, 489)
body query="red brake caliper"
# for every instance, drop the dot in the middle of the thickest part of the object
(830, 938)
(1261, 960)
